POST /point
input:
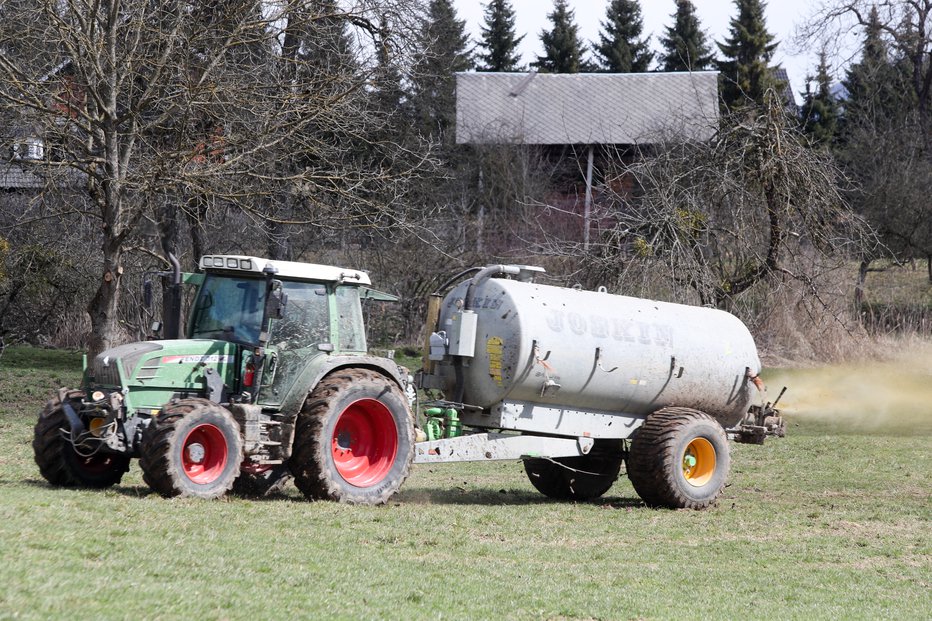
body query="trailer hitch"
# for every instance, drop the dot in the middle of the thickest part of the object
(761, 421)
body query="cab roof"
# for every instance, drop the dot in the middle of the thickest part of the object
(283, 269)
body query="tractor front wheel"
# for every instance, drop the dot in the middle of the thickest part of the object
(679, 459)
(577, 478)
(354, 440)
(192, 448)
(60, 463)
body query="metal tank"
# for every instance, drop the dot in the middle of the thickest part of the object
(539, 358)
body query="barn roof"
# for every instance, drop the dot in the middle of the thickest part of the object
(584, 108)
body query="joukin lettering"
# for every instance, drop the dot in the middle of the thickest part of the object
(487, 303)
(619, 329)
(208, 359)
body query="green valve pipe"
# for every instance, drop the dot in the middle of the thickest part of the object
(434, 428)
(453, 423)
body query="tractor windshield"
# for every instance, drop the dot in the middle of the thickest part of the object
(229, 308)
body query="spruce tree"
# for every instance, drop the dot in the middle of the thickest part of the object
(820, 111)
(879, 92)
(498, 38)
(563, 48)
(388, 95)
(746, 73)
(684, 46)
(443, 50)
(326, 41)
(620, 48)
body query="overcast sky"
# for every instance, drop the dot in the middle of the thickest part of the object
(782, 16)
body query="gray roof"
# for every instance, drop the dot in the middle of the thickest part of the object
(584, 108)
(13, 176)
(782, 76)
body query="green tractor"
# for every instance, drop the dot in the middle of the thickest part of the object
(272, 380)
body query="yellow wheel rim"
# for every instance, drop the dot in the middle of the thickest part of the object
(698, 462)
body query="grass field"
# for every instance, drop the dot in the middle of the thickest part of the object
(832, 522)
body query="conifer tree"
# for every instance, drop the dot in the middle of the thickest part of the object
(388, 95)
(444, 50)
(746, 73)
(685, 47)
(878, 88)
(563, 48)
(620, 48)
(499, 39)
(820, 111)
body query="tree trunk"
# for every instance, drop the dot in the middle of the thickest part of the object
(103, 308)
(279, 243)
(196, 214)
(859, 288)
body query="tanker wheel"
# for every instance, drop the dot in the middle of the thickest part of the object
(258, 480)
(354, 439)
(577, 478)
(59, 462)
(679, 459)
(192, 448)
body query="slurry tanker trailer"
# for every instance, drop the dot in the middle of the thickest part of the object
(576, 383)
(273, 380)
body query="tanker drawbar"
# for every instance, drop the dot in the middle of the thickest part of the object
(577, 382)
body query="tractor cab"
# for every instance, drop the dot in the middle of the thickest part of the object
(260, 336)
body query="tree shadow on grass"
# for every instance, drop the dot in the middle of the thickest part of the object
(134, 491)
(490, 497)
(416, 496)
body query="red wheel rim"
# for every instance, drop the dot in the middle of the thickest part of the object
(204, 454)
(364, 443)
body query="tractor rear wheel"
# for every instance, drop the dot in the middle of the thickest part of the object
(256, 480)
(679, 459)
(354, 439)
(577, 478)
(192, 448)
(59, 462)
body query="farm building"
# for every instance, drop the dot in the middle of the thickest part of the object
(584, 120)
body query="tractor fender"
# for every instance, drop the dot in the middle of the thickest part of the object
(293, 403)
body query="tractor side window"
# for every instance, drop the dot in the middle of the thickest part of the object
(229, 308)
(352, 331)
(307, 320)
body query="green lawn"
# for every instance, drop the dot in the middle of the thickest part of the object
(832, 522)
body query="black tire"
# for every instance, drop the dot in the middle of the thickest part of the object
(57, 459)
(192, 448)
(679, 459)
(354, 439)
(258, 481)
(591, 476)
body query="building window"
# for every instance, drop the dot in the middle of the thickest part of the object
(29, 149)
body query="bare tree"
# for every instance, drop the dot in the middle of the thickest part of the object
(886, 131)
(154, 104)
(752, 207)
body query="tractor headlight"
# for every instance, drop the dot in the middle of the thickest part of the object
(97, 395)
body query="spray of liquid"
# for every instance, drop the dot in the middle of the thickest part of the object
(890, 396)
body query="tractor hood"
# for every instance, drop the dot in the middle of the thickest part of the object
(157, 371)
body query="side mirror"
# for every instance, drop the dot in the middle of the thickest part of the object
(277, 301)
